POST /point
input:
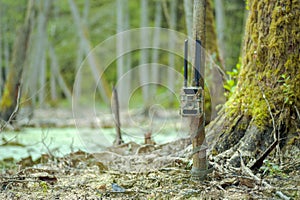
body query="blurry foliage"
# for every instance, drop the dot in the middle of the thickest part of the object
(234, 31)
(289, 94)
(231, 82)
(272, 169)
(101, 24)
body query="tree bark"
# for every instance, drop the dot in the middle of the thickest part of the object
(144, 39)
(57, 75)
(116, 113)
(171, 62)
(188, 10)
(197, 123)
(234, 30)
(6, 54)
(214, 75)
(35, 76)
(124, 61)
(220, 27)
(80, 53)
(44, 10)
(13, 83)
(1, 71)
(264, 107)
(155, 52)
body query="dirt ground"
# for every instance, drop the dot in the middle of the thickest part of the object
(133, 171)
(152, 171)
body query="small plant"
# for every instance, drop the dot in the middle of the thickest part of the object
(44, 186)
(286, 88)
(189, 164)
(231, 83)
(247, 5)
(271, 169)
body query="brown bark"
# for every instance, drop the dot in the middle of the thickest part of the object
(197, 124)
(264, 106)
(116, 113)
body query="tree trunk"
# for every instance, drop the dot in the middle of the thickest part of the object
(234, 30)
(220, 27)
(144, 39)
(155, 52)
(188, 10)
(57, 75)
(1, 72)
(91, 58)
(80, 53)
(42, 81)
(214, 74)
(6, 54)
(53, 88)
(36, 74)
(13, 83)
(124, 61)
(171, 62)
(265, 106)
(44, 10)
(197, 129)
(116, 113)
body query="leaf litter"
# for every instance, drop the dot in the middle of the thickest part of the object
(133, 171)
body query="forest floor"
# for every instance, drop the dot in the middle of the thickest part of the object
(151, 175)
(135, 171)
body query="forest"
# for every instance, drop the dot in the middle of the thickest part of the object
(149, 99)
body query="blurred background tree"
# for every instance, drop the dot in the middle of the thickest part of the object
(64, 32)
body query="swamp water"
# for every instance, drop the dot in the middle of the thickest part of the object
(61, 141)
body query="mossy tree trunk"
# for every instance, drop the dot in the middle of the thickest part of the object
(12, 86)
(265, 106)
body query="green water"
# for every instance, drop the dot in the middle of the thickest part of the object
(61, 141)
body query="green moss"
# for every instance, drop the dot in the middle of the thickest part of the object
(270, 76)
(6, 100)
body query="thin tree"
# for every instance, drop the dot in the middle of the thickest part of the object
(171, 61)
(144, 40)
(197, 123)
(80, 52)
(6, 52)
(188, 11)
(220, 26)
(124, 61)
(38, 67)
(56, 74)
(94, 63)
(1, 62)
(155, 52)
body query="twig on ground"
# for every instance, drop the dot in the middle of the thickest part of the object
(281, 195)
(259, 162)
(276, 134)
(7, 141)
(44, 137)
(250, 173)
(270, 111)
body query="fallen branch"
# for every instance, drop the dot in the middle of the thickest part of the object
(259, 162)
(281, 195)
(248, 171)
